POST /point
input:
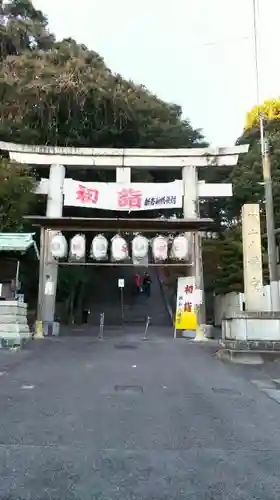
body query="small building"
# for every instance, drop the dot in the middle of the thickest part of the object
(13, 248)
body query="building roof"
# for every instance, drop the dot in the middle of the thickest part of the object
(17, 242)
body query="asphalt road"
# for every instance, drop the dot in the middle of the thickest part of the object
(156, 420)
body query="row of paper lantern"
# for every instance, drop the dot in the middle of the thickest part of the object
(119, 247)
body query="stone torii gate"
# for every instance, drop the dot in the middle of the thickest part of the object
(186, 160)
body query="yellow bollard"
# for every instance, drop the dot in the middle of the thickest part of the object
(200, 335)
(38, 330)
(200, 332)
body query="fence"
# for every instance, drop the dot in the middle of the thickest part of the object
(233, 302)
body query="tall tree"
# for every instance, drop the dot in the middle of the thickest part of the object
(62, 93)
(17, 185)
(270, 110)
(247, 180)
(22, 28)
(67, 96)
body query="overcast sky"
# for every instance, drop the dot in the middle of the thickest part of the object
(196, 53)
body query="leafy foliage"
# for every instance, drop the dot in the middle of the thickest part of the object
(224, 263)
(22, 28)
(71, 291)
(16, 194)
(62, 93)
(270, 110)
(247, 180)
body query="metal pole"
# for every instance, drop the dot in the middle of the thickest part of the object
(101, 326)
(122, 308)
(41, 274)
(266, 167)
(271, 243)
(146, 328)
(199, 278)
(17, 275)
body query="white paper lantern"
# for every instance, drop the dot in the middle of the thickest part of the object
(78, 247)
(140, 247)
(99, 247)
(160, 248)
(180, 247)
(58, 246)
(119, 248)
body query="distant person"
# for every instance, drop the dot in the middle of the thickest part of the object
(147, 284)
(86, 313)
(138, 283)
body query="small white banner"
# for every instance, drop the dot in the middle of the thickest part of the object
(121, 283)
(49, 287)
(122, 196)
(214, 190)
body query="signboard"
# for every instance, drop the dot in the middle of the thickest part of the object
(188, 298)
(121, 283)
(207, 190)
(122, 196)
(49, 288)
(19, 297)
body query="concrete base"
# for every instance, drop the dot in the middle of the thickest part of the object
(200, 334)
(248, 337)
(14, 329)
(45, 329)
(253, 346)
(248, 352)
(203, 333)
(188, 334)
(51, 328)
(252, 326)
(239, 357)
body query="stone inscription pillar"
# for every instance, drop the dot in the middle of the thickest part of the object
(252, 258)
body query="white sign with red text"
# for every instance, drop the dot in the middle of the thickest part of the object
(122, 196)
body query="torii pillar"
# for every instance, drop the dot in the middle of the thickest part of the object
(49, 266)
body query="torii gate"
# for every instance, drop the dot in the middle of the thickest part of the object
(187, 160)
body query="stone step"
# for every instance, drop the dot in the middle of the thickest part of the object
(106, 299)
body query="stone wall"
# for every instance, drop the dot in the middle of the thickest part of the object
(14, 329)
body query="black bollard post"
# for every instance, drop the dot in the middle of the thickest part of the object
(101, 327)
(146, 328)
